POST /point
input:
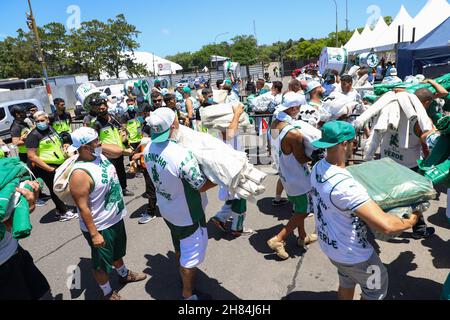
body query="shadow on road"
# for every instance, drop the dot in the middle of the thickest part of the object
(404, 287)
(439, 251)
(440, 219)
(88, 284)
(165, 281)
(49, 217)
(401, 285)
(282, 213)
(137, 214)
(259, 243)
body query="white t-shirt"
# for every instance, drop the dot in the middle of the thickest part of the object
(8, 247)
(177, 177)
(391, 148)
(106, 199)
(352, 94)
(336, 196)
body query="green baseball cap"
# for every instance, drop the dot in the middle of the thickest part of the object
(187, 90)
(160, 122)
(334, 133)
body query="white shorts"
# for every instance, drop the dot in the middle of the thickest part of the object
(193, 249)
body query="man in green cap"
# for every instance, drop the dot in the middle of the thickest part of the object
(180, 189)
(343, 209)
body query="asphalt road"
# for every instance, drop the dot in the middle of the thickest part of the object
(241, 268)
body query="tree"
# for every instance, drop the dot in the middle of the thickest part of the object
(94, 48)
(54, 43)
(244, 49)
(119, 38)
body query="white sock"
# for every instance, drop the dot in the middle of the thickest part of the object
(106, 288)
(122, 271)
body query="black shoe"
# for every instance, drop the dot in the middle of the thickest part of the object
(44, 197)
(145, 195)
(127, 193)
(280, 202)
(424, 234)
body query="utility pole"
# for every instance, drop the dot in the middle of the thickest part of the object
(31, 22)
(215, 44)
(346, 20)
(337, 36)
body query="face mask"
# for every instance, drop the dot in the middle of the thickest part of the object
(42, 126)
(131, 108)
(97, 152)
(211, 100)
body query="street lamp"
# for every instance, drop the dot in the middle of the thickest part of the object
(215, 40)
(31, 22)
(337, 37)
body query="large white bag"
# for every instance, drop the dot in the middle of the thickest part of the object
(61, 181)
(310, 134)
(222, 164)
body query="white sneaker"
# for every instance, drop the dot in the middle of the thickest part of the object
(69, 215)
(146, 218)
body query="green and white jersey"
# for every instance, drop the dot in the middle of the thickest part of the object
(177, 177)
(391, 146)
(106, 198)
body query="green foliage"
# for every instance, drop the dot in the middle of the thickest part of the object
(244, 49)
(94, 48)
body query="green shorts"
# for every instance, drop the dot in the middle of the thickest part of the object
(115, 249)
(181, 233)
(238, 206)
(300, 204)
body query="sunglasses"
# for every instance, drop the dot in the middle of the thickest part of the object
(157, 101)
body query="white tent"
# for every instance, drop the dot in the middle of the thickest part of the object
(353, 40)
(156, 65)
(431, 16)
(384, 38)
(387, 41)
(380, 30)
(361, 43)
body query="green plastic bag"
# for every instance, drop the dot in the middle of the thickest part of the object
(443, 125)
(392, 185)
(444, 81)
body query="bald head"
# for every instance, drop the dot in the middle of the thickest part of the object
(425, 96)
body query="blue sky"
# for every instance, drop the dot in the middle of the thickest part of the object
(173, 26)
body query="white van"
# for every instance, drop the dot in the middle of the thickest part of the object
(6, 119)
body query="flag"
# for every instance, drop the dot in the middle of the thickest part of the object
(263, 127)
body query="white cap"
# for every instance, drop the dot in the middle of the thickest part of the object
(160, 122)
(312, 85)
(78, 103)
(290, 100)
(393, 72)
(81, 137)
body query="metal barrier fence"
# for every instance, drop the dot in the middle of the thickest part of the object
(259, 145)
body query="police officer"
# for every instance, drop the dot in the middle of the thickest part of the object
(19, 131)
(108, 129)
(133, 126)
(45, 155)
(61, 121)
